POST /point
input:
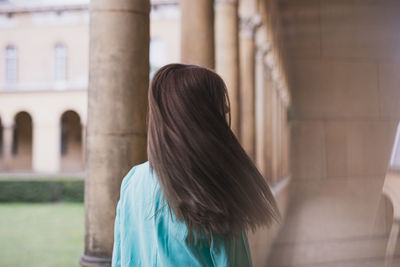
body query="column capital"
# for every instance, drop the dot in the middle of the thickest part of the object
(262, 50)
(269, 60)
(282, 91)
(276, 75)
(248, 25)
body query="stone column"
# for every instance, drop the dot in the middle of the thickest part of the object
(284, 136)
(268, 102)
(272, 104)
(83, 147)
(197, 32)
(227, 53)
(117, 104)
(8, 130)
(274, 131)
(261, 110)
(279, 133)
(284, 139)
(288, 138)
(248, 26)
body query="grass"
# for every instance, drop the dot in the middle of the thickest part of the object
(45, 234)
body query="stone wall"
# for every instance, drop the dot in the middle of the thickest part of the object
(344, 59)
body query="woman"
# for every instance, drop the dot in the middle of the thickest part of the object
(192, 202)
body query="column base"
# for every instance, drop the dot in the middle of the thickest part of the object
(93, 261)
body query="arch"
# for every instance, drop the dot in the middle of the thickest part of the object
(22, 142)
(71, 148)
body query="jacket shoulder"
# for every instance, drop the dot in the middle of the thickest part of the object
(134, 171)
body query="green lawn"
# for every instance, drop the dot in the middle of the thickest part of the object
(45, 235)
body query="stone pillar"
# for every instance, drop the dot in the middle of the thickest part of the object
(288, 138)
(274, 130)
(272, 106)
(284, 139)
(283, 134)
(83, 147)
(248, 26)
(117, 105)
(279, 133)
(8, 130)
(227, 53)
(46, 145)
(268, 141)
(197, 32)
(261, 109)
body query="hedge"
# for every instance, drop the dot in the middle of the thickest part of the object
(69, 190)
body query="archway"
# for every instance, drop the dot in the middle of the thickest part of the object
(22, 142)
(71, 142)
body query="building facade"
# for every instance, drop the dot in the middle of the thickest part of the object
(44, 79)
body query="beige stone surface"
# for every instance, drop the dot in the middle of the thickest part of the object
(330, 88)
(332, 220)
(7, 135)
(280, 137)
(117, 106)
(197, 32)
(335, 253)
(260, 113)
(306, 14)
(286, 150)
(351, 148)
(227, 55)
(262, 239)
(38, 70)
(274, 133)
(247, 96)
(360, 29)
(167, 29)
(389, 80)
(328, 209)
(343, 61)
(46, 118)
(134, 6)
(308, 150)
(268, 125)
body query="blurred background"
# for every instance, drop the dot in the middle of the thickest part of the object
(315, 102)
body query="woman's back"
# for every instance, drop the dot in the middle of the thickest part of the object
(147, 233)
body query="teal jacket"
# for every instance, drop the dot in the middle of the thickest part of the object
(147, 234)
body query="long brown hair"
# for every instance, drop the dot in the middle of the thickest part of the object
(207, 178)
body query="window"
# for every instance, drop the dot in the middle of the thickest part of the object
(11, 65)
(60, 62)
